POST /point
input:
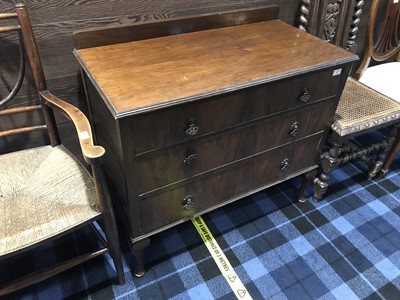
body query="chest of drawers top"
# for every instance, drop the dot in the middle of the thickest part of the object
(146, 75)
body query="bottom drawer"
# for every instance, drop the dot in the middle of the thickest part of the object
(182, 202)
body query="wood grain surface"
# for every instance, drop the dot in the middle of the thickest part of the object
(145, 75)
(53, 22)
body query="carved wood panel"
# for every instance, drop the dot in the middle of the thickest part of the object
(335, 21)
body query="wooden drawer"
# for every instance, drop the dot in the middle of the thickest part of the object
(166, 167)
(166, 127)
(259, 171)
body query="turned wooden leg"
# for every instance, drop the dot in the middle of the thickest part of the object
(137, 249)
(385, 146)
(392, 154)
(376, 165)
(307, 179)
(329, 163)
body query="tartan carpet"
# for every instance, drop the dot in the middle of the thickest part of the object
(346, 246)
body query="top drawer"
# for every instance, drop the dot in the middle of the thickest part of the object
(179, 123)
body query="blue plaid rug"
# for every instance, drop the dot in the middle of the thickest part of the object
(346, 246)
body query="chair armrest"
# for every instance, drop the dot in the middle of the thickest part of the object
(91, 152)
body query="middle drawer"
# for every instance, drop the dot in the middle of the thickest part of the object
(161, 168)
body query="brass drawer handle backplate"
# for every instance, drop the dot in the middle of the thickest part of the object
(188, 202)
(190, 159)
(285, 164)
(305, 97)
(191, 128)
(295, 129)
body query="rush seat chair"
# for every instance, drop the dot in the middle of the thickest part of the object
(45, 192)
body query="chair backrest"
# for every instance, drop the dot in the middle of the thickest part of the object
(383, 41)
(22, 124)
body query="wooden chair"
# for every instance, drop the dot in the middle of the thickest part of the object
(45, 192)
(384, 77)
(364, 106)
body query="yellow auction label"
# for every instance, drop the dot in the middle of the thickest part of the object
(220, 259)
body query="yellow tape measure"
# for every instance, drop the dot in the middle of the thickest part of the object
(220, 259)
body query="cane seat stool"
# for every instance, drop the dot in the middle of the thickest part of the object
(384, 77)
(45, 191)
(365, 107)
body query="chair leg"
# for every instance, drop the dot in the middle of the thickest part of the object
(111, 232)
(376, 165)
(329, 163)
(392, 154)
(110, 224)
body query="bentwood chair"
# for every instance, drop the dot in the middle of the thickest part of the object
(368, 102)
(45, 192)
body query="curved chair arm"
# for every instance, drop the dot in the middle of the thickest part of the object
(91, 153)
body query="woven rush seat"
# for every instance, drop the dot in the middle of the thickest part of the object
(36, 202)
(45, 191)
(361, 108)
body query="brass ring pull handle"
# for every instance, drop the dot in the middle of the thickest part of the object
(295, 129)
(305, 97)
(285, 164)
(188, 202)
(191, 128)
(190, 159)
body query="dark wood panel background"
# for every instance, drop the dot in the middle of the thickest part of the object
(54, 21)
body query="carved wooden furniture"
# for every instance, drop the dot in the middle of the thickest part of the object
(385, 47)
(335, 21)
(44, 191)
(362, 108)
(199, 112)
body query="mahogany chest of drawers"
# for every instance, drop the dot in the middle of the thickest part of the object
(194, 121)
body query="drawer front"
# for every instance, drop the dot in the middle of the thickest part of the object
(183, 202)
(166, 167)
(180, 123)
